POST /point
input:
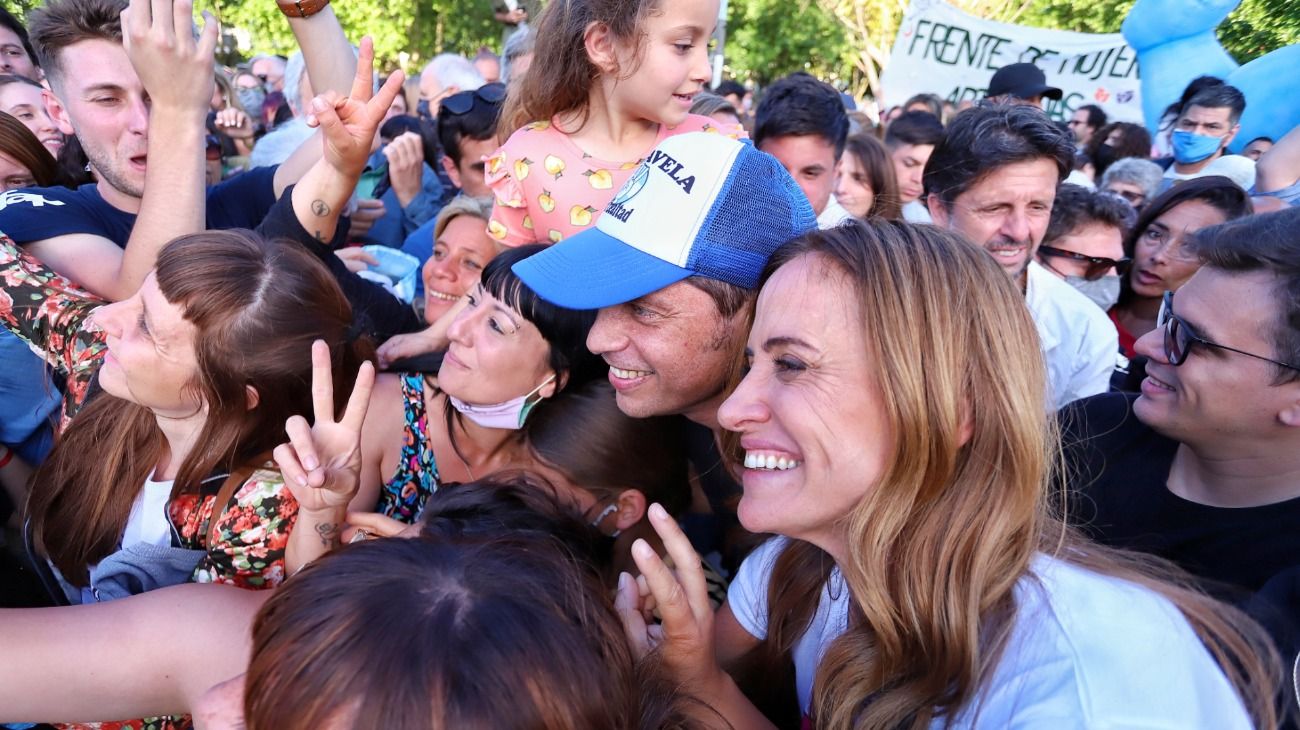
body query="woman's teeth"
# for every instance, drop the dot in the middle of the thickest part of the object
(628, 374)
(440, 295)
(760, 460)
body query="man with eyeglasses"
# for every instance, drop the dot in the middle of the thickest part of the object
(1084, 244)
(1084, 123)
(1203, 467)
(993, 179)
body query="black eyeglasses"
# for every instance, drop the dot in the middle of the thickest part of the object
(462, 102)
(1097, 265)
(1179, 338)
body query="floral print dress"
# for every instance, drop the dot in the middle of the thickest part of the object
(51, 314)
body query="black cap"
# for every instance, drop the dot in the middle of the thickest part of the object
(1023, 81)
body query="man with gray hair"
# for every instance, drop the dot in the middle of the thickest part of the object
(517, 55)
(270, 70)
(1133, 179)
(446, 74)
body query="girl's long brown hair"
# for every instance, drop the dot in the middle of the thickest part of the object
(256, 307)
(874, 160)
(560, 78)
(937, 546)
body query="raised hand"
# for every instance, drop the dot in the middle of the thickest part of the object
(174, 67)
(349, 123)
(236, 124)
(322, 461)
(685, 638)
(405, 166)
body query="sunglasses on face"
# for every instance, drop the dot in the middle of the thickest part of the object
(1179, 338)
(462, 102)
(1098, 266)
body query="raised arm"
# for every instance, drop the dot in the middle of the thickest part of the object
(331, 67)
(1279, 168)
(176, 70)
(114, 660)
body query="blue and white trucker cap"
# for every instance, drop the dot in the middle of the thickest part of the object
(700, 204)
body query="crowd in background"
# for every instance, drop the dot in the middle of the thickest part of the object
(555, 388)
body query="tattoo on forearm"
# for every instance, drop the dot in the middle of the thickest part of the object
(320, 208)
(328, 533)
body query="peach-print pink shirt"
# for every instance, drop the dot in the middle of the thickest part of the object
(548, 189)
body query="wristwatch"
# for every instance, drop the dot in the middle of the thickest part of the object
(301, 8)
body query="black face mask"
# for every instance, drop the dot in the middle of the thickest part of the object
(422, 109)
(1104, 157)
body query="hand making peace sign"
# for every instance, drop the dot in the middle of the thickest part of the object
(322, 462)
(348, 123)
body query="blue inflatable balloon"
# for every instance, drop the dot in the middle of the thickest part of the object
(1175, 43)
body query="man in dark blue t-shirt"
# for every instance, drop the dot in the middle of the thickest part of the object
(1203, 468)
(140, 117)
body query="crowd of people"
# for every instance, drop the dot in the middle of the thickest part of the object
(556, 389)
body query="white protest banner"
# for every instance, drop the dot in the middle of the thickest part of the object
(941, 50)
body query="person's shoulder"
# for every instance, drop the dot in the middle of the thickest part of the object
(247, 181)
(1101, 415)
(29, 215)
(1106, 652)
(55, 199)
(527, 137)
(700, 123)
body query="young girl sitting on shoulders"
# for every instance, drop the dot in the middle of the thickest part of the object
(609, 81)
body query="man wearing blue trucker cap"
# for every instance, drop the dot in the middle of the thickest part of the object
(671, 264)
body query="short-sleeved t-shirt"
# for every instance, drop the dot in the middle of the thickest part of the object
(1085, 651)
(548, 189)
(1120, 468)
(35, 214)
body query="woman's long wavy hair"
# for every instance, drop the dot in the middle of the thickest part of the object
(256, 307)
(937, 546)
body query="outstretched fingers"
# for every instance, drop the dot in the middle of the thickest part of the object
(379, 106)
(690, 573)
(679, 620)
(359, 402)
(322, 383)
(361, 83)
(627, 603)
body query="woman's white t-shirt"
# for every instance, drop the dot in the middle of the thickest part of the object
(148, 522)
(1086, 651)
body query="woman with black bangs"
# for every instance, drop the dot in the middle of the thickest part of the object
(510, 351)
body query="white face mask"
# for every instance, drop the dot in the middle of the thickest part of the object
(509, 415)
(1103, 292)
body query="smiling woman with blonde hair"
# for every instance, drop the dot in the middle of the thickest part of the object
(896, 441)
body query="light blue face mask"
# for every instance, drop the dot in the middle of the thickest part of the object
(1190, 147)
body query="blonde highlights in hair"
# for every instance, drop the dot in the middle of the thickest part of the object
(936, 547)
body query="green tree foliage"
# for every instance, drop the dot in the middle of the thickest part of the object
(405, 34)
(767, 39)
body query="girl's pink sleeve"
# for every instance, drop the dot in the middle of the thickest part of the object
(509, 206)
